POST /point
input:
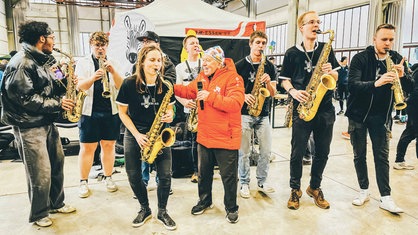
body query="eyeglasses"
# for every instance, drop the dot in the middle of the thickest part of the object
(50, 36)
(100, 45)
(312, 22)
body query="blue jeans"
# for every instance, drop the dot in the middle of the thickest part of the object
(133, 168)
(379, 135)
(145, 167)
(42, 154)
(262, 128)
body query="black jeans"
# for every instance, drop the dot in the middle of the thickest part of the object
(409, 134)
(228, 168)
(379, 135)
(321, 126)
(134, 172)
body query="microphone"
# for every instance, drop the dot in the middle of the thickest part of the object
(199, 88)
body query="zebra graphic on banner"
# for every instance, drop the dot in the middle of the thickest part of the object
(133, 45)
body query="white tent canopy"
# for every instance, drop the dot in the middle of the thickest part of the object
(172, 17)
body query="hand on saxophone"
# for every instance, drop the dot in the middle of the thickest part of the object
(400, 68)
(326, 68)
(386, 78)
(142, 140)
(299, 95)
(249, 99)
(265, 78)
(98, 74)
(168, 116)
(67, 104)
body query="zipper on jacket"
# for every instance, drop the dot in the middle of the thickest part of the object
(391, 103)
(368, 110)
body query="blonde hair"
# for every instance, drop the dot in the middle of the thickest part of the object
(301, 17)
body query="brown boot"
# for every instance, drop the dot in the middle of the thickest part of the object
(318, 197)
(293, 202)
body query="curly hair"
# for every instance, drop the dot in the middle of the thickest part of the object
(100, 37)
(30, 31)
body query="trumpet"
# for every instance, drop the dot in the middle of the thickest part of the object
(105, 79)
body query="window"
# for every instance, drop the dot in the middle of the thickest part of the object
(277, 39)
(410, 32)
(42, 1)
(85, 45)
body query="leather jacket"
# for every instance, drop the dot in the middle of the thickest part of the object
(30, 94)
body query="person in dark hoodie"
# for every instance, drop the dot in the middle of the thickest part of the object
(369, 108)
(31, 100)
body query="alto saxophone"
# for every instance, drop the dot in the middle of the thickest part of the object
(319, 84)
(259, 92)
(396, 85)
(105, 79)
(74, 114)
(288, 122)
(159, 139)
(192, 120)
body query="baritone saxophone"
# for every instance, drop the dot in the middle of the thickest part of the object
(396, 85)
(74, 114)
(319, 83)
(158, 137)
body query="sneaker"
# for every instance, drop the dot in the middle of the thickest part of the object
(318, 197)
(306, 162)
(200, 208)
(194, 178)
(402, 166)
(142, 217)
(166, 220)
(232, 217)
(66, 209)
(265, 188)
(244, 191)
(362, 198)
(110, 185)
(44, 222)
(396, 117)
(386, 203)
(293, 202)
(345, 135)
(84, 190)
(340, 112)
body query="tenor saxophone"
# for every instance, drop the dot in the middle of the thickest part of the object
(396, 85)
(105, 79)
(157, 137)
(319, 84)
(259, 92)
(74, 114)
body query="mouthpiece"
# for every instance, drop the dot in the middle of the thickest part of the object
(158, 72)
(57, 50)
(318, 31)
(387, 50)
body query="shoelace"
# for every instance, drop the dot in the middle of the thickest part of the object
(295, 196)
(320, 195)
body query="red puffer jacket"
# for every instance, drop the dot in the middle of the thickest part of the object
(219, 123)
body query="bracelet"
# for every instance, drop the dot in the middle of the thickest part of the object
(288, 91)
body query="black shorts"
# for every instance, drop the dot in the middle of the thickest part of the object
(99, 126)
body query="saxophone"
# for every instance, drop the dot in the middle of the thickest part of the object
(192, 120)
(259, 92)
(105, 79)
(159, 139)
(74, 114)
(288, 122)
(396, 85)
(319, 84)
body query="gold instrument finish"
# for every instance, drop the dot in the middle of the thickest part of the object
(74, 114)
(319, 84)
(396, 86)
(159, 139)
(192, 120)
(288, 122)
(105, 79)
(259, 91)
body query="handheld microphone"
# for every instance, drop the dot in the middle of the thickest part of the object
(199, 88)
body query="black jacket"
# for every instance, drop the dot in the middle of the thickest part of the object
(30, 95)
(361, 78)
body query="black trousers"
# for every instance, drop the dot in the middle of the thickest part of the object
(409, 134)
(228, 168)
(379, 135)
(321, 126)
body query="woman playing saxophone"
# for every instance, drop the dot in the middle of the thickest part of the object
(143, 98)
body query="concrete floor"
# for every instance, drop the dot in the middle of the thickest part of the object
(112, 213)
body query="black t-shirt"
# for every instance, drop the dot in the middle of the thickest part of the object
(142, 108)
(296, 67)
(248, 71)
(379, 108)
(100, 103)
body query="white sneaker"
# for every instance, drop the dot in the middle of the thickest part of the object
(110, 185)
(386, 203)
(84, 190)
(402, 166)
(364, 196)
(245, 191)
(44, 222)
(66, 209)
(265, 188)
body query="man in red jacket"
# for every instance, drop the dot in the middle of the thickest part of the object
(220, 97)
